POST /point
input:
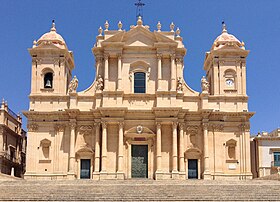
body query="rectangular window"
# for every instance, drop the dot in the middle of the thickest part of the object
(139, 82)
(276, 158)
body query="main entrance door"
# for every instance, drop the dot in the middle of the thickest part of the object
(192, 169)
(85, 169)
(139, 161)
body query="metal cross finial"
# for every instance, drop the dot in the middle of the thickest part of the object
(139, 9)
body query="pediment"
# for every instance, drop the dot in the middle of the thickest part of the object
(47, 46)
(139, 37)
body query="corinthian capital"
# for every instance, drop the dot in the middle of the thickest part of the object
(182, 126)
(159, 56)
(32, 127)
(104, 124)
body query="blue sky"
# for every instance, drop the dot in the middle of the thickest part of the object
(256, 22)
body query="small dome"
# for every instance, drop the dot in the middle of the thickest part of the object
(225, 38)
(54, 37)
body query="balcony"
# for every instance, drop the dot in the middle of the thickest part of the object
(10, 158)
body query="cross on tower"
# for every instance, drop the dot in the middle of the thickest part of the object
(139, 9)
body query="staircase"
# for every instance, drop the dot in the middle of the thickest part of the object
(139, 190)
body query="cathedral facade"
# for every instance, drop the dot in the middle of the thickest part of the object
(139, 118)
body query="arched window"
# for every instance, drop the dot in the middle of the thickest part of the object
(48, 80)
(139, 82)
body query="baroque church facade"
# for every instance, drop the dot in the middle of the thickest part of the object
(139, 118)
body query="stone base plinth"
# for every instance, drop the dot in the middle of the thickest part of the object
(120, 175)
(103, 175)
(159, 175)
(182, 175)
(95, 176)
(207, 176)
(175, 175)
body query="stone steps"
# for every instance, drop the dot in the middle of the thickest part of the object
(139, 190)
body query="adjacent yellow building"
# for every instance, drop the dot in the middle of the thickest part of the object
(13, 142)
(139, 118)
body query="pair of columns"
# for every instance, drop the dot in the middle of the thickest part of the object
(174, 148)
(97, 148)
(173, 72)
(104, 148)
(106, 72)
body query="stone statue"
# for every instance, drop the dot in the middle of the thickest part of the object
(179, 84)
(73, 85)
(204, 85)
(99, 84)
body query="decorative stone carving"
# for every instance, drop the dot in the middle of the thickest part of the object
(205, 126)
(182, 126)
(72, 125)
(85, 129)
(159, 26)
(130, 75)
(100, 30)
(245, 127)
(32, 127)
(99, 84)
(179, 84)
(106, 25)
(59, 127)
(97, 124)
(192, 128)
(73, 85)
(120, 26)
(172, 26)
(178, 32)
(104, 124)
(179, 61)
(121, 124)
(139, 129)
(204, 85)
(217, 127)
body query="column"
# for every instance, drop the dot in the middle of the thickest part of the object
(104, 147)
(174, 147)
(158, 147)
(119, 72)
(97, 148)
(206, 151)
(181, 148)
(159, 57)
(106, 71)
(120, 148)
(173, 73)
(72, 146)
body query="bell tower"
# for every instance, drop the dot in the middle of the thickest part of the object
(52, 64)
(225, 65)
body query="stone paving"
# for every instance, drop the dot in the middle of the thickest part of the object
(139, 190)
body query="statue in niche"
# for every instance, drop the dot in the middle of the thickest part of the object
(179, 84)
(204, 85)
(73, 85)
(99, 85)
